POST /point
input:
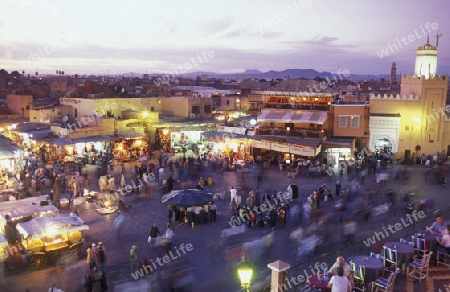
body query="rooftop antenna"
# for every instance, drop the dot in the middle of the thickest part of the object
(438, 35)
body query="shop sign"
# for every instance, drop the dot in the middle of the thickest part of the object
(279, 147)
(302, 151)
(260, 144)
(318, 149)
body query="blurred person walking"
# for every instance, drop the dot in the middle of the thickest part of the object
(90, 258)
(133, 258)
(212, 211)
(101, 256)
(169, 238)
(154, 232)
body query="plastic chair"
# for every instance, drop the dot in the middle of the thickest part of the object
(390, 259)
(420, 267)
(358, 276)
(421, 247)
(386, 284)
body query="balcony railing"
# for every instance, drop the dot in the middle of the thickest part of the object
(299, 106)
(303, 133)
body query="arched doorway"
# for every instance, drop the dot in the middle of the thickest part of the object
(383, 145)
(383, 150)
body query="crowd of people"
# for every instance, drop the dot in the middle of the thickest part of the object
(260, 211)
(257, 208)
(96, 260)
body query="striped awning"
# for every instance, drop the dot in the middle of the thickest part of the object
(292, 116)
(309, 117)
(275, 115)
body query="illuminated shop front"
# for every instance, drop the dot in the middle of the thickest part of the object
(185, 139)
(338, 150)
(236, 148)
(89, 152)
(227, 144)
(9, 153)
(83, 150)
(175, 136)
(130, 149)
(288, 149)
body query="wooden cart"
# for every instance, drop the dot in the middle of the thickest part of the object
(50, 236)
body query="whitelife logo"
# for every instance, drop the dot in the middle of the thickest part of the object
(377, 236)
(145, 270)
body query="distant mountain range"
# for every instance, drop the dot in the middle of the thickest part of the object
(288, 73)
(272, 74)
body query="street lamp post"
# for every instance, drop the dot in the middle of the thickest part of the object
(245, 273)
(278, 276)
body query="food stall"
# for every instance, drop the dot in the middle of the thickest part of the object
(3, 248)
(29, 207)
(45, 235)
(130, 149)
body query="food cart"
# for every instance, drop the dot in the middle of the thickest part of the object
(3, 245)
(29, 207)
(51, 235)
(42, 232)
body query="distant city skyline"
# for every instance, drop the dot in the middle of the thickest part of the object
(142, 36)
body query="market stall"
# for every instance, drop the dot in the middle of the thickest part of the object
(44, 235)
(8, 156)
(29, 207)
(130, 149)
(233, 145)
(3, 248)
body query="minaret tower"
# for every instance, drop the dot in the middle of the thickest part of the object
(393, 78)
(426, 60)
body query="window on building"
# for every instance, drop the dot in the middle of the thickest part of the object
(208, 109)
(196, 109)
(27, 108)
(342, 121)
(354, 121)
(228, 102)
(152, 109)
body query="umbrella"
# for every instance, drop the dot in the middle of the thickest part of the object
(189, 197)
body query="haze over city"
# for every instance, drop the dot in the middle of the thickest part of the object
(142, 36)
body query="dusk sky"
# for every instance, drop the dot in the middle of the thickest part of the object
(150, 36)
